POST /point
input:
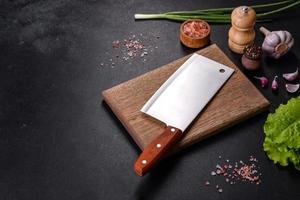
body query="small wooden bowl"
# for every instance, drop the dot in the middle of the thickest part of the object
(194, 42)
(250, 64)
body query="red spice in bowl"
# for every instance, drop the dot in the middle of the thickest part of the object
(195, 33)
(195, 29)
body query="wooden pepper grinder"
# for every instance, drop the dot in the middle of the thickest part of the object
(242, 32)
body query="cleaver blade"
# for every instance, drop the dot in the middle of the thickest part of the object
(178, 102)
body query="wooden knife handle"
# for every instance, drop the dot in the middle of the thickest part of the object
(157, 149)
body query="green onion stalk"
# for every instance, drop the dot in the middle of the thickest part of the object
(264, 13)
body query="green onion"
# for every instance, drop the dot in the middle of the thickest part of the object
(229, 10)
(278, 10)
(222, 15)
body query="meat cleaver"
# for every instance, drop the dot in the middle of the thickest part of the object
(177, 103)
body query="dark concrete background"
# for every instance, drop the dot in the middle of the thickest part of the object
(58, 140)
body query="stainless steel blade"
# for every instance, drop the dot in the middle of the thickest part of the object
(179, 100)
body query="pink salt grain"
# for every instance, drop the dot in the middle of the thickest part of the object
(116, 44)
(238, 172)
(195, 29)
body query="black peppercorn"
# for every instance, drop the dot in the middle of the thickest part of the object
(253, 51)
(252, 56)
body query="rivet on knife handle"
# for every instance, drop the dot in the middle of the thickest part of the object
(156, 150)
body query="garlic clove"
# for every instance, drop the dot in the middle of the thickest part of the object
(292, 88)
(281, 35)
(275, 83)
(288, 37)
(272, 39)
(267, 48)
(263, 81)
(275, 55)
(290, 76)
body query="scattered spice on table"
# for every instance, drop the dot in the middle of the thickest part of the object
(236, 172)
(132, 48)
(116, 44)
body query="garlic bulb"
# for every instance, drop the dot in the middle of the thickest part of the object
(276, 43)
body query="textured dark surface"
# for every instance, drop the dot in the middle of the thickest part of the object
(58, 140)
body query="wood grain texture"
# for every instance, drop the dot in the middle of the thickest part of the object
(236, 101)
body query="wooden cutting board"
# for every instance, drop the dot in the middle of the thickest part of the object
(236, 101)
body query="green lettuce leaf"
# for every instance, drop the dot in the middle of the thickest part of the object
(282, 134)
